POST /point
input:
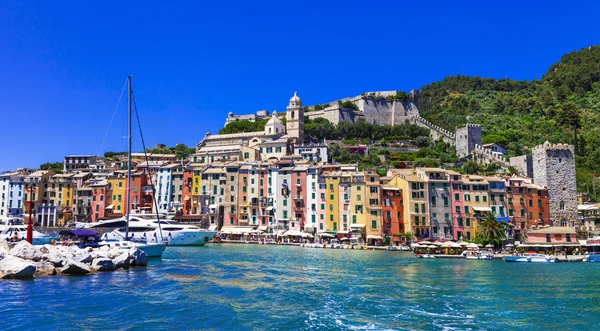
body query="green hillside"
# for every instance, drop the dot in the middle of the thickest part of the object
(562, 106)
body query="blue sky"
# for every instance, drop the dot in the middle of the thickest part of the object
(63, 64)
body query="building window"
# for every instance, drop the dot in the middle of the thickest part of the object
(373, 224)
(568, 237)
(547, 238)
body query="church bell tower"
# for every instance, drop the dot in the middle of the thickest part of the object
(295, 119)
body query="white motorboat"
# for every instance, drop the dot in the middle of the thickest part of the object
(477, 255)
(170, 232)
(333, 243)
(531, 258)
(10, 226)
(425, 256)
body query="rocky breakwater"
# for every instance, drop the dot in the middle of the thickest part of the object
(23, 260)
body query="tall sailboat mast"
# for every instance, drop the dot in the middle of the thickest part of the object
(127, 209)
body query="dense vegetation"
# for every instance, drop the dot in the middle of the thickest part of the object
(56, 167)
(562, 106)
(180, 150)
(319, 129)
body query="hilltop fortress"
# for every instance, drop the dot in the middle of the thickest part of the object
(380, 107)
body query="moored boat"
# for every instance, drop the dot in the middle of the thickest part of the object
(592, 253)
(531, 258)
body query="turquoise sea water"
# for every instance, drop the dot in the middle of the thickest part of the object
(255, 287)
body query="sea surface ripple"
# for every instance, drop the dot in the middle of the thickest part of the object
(256, 287)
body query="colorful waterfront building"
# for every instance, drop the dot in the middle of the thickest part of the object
(440, 204)
(347, 202)
(117, 184)
(321, 202)
(177, 187)
(81, 212)
(475, 203)
(11, 193)
(456, 194)
(141, 193)
(373, 217)
(392, 209)
(537, 206)
(299, 191)
(416, 201)
(497, 194)
(284, 207)
(60, 196)
(36, 190)
(272, 196)
(213, 182)
(99, 193)
(188, 189)
(332, 182)
(197, 188)
(312, 202)
(265, 210)
(516, 191)
(244, 198)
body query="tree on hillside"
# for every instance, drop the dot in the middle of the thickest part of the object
(471, 168)
(56, 167)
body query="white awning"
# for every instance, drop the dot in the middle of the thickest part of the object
(110, 207)
(482, 208)
(213, 206)
(270, 208)
(376, 237)
(262, 228)
(357, 225)
(212, 228)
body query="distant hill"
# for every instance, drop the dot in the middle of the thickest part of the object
(562, 106)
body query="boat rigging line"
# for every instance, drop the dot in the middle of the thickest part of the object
(112, 118)
(148, 165)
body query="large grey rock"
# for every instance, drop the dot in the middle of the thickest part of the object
(44, 268)
(55, 258)
(73, 267)
(12, 267)
(103, 264)
(83, 258)
(26, 251)
(138, 257)
(3, 252)
(122, 261)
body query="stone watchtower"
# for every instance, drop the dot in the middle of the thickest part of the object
(295, 119)
(466, 138)
(554, 168)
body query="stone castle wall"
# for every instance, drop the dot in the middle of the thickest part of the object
(523, 164)
(554, 168)
(485, 156)
(466, 138)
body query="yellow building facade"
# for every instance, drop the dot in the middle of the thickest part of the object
(332, 201)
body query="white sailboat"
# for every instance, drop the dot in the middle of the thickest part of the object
(152, 249)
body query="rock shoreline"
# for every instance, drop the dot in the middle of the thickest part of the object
(24, 261)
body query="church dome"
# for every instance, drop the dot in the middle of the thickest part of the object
(295, 98)
(274, 119)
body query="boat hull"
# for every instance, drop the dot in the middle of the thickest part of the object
(174, 238)
(594, 258)
(152, 250)
(529, 259)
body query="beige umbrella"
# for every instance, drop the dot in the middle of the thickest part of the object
(489, 246)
